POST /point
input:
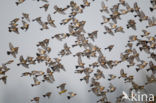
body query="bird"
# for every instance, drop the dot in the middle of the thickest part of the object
(105, 20)
(13, 50)
(48, 94)
(110, 47)
(122, 74)
(25, 25)
(19, 2)
(112, 88)
(85, 4)
(36, 99)
(108, 30)
(59, 10)
(36, 82)
(50, 21)
(62, 88)
(71, 94)
(4, 79)
(23, 62)
(26, 16)
(45, 6)
(131, 24)
(104, 8)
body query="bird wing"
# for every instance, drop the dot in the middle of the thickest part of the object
(102, 4)
(49, 17)
(11, 46)
(79, 60)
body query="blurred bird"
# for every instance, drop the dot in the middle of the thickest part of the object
(112, 88)
(105, 20)
(25, 25)
(45, 6)
(36, 99)
(4, 79)
(71, 94)
(19, 2)
(26, 16)
(150, 79)
(50, 21)
(62, 88)
(13, 50)
(36, 82)
(85, 4)
(60, 10)
(131, 24)
(111, 77)
(151, 22)
(110, 47)
(108, 30)
(48, 94)
(23, 62)
(104, 8)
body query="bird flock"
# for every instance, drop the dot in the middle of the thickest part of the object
(92, 73)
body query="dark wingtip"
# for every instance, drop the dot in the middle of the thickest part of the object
(8, 53)
(135, 16)
(82, 6)
(142, 35)
(17, 3)
(81, 79)
(68, 97)
(140, 20)
(22, 28)
(151, 9)
(148, 70)
(18, 64)
(37, 54)
(68, 6)
(44, 96)
(137, 69)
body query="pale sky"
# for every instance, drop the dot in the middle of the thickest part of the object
(18, 89)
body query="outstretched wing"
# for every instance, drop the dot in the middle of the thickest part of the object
(49, 17)
(11, 46)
